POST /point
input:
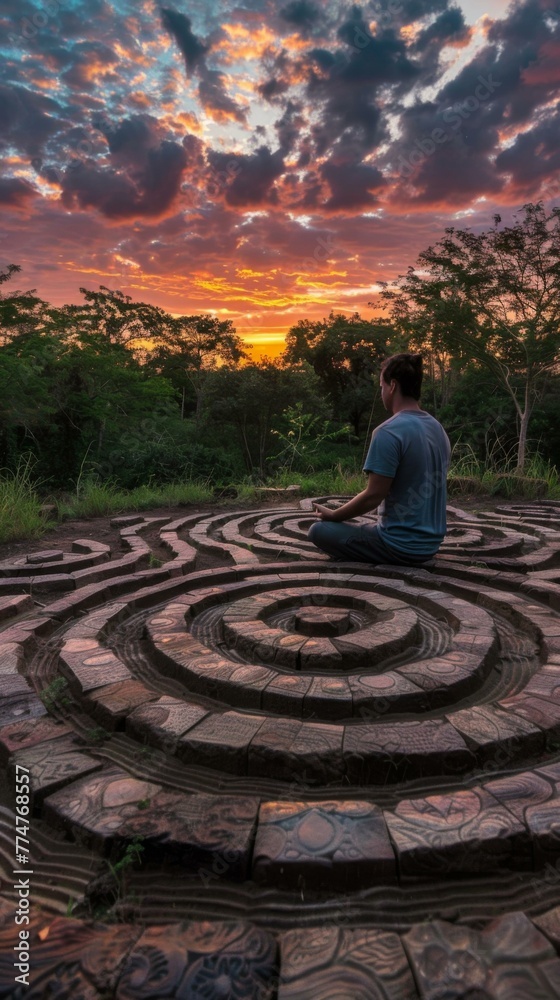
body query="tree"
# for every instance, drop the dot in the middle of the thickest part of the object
(254, 398)
(192, 346)
(345, 352)
(496, 296)
(20, 312)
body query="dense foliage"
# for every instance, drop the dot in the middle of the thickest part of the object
(123, 391)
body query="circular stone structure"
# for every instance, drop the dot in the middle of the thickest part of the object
(358, 765)
(322, 622)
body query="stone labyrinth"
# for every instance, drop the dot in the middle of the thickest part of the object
(257, 773)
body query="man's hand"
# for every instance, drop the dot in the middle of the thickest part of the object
(324, 513)
(369, 499)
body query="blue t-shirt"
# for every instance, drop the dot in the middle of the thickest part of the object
(413, 449)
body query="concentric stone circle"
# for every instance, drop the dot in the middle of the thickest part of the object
(289, 737)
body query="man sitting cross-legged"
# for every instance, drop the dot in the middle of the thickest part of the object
(407, 466)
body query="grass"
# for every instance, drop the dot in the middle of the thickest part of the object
(20, 506)
(97, 499)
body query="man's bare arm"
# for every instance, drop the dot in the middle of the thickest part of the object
(369, 499)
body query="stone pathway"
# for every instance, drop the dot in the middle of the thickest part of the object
(282, 776)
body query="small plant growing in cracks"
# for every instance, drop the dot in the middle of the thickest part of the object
(54, 695)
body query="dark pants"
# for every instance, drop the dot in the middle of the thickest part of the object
(357, 543)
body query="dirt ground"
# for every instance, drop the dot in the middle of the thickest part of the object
(63, 534)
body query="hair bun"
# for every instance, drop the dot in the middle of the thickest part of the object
(416, 360)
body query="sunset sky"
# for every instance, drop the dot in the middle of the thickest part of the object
(267, 162)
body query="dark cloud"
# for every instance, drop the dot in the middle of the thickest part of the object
(290, 126)
(302, 14)
(351, 184)
(15, 191)
(272, 89)
(179, 26)
(145, 190)
(215, 99)
(449, 26)
(27, 119)
(534, 157)
(133, 136)
(253, 175)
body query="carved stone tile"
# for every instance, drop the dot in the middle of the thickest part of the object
(328, 845)
(92, 669)
(466, 831)
(549, 924)
(543, 822)
(94, 808)
(162, 722)
(285, 693)
(53, 764)
(209, 833)
(318, 752)
(375, 694)
(335, 962)
(328, 698)
(18, 701)
(28, 733)
(485, 728)
(270, 750)
(544, 712)
(510, 958)
(221, 741)
(384, 751)
(70, 959)
(230, 960)
(111, 705)
(520, 791)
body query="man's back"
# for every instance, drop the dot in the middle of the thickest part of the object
(413, 449)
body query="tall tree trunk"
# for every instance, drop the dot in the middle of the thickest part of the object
(523, 426)
(522, 443)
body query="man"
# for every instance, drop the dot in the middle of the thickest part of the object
(407, 466)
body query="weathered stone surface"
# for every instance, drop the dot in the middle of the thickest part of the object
(95, 808)
(510, 958)
(210, 959)
(52, 765)
(207, 835)
(221, 741)
(162, 722)
(327, 845)
(485, 728)
(334, 962)
(549, 923)
(322, 621)
(70, 959)
(111, 705)
(271, 749)
(377, 753)
(29, 732)
(285, 693)
(90, 669)
(12, 606)
(467, 831)
(17, 700)
(373, 695)
(520, 791)
(318, 751)
(49, 555)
